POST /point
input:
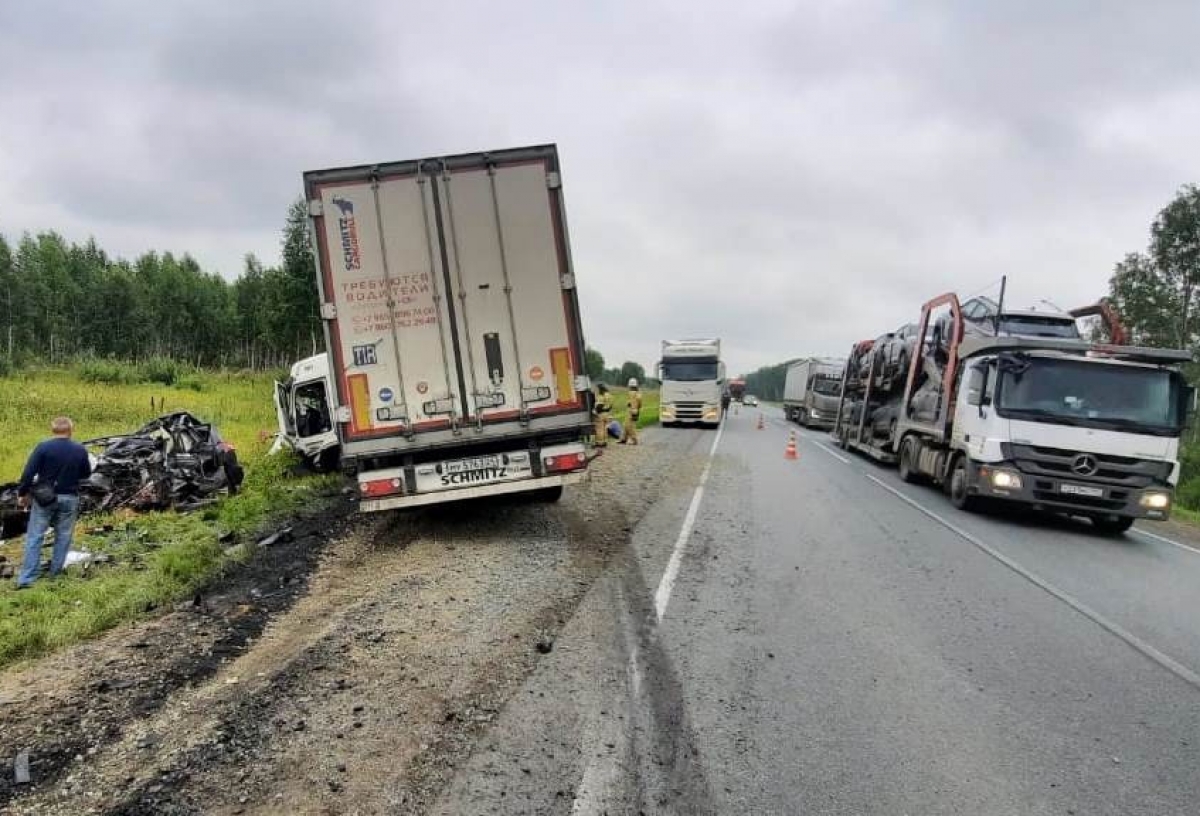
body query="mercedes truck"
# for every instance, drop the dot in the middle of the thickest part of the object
(811, 391)
(1057, 423)
(452, 323)
(693, 380)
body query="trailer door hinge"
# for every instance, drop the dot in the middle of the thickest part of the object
(568, 281)
(328, 311)
(315, 208)
(553, 180)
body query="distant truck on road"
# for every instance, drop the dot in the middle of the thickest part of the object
(811, 391)
(693, 379)
(453, 328)
(1043, 420)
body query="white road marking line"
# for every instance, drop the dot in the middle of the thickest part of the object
(829, 450)
(1157, 537)
(1168, 663)
(662, 596)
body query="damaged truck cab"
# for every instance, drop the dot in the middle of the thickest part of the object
(304, 406)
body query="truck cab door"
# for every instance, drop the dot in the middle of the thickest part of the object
(283, 411)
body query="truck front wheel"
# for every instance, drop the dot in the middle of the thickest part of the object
(909, 451)
(1112, 525)
(959, 486)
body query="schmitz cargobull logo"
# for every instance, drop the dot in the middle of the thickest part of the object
(349, 232)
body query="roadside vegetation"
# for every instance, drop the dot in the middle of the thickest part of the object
(649, 414)
(157, 558)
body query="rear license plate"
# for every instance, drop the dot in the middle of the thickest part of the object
(490, 462)
(1082, 490)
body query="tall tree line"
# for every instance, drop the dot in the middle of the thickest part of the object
(61, 301)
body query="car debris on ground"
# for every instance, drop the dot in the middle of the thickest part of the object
(174, 461)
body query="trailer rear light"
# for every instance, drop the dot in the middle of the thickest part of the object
(377, 488)
(565, 463)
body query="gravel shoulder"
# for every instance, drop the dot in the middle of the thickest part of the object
(353, 670)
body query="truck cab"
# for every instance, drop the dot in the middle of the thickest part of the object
(304, 407)
(693, 380)
(1084, 435)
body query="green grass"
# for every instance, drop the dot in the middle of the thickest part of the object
(158, 558)
(649, 414)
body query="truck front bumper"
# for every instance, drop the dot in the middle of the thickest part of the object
(1002, 480)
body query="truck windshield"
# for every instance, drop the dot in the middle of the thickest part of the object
(828, 386)
(1092, 395)
(689, 370)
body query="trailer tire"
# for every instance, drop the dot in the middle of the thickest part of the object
(957, 487)
(802, 417)
(549, 495)
(908, 459)
(1112, 525)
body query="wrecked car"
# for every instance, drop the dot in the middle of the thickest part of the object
(176, 460)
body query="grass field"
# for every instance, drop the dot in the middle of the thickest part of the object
(158, 557)
(649, 414)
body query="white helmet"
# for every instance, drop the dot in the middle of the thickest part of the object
(633, 382)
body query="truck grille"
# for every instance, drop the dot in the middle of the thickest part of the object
(1123, 471)
(689, 410)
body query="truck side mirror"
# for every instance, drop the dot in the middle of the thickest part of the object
(975, 387)
(1187, 405)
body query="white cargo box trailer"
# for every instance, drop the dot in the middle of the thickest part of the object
(453, 327)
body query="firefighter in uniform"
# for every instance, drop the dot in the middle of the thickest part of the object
(633, 410)
(601, 412)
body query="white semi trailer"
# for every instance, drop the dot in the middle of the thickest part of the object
(453, 327)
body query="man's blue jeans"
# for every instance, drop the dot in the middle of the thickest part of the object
(61, 516)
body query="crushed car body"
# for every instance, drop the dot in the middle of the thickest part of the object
(174, 461)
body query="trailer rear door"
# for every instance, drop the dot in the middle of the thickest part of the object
(448, 291)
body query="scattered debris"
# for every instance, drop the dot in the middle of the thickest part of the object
(21, 769)
(283, 534)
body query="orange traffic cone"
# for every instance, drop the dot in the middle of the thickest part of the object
(760, 422)
(790, 451)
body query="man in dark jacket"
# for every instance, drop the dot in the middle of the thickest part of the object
(49, 489)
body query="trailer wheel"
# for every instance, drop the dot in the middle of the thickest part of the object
(908, 460)
(802, 417)
(549, 494)
(1112, 525)
(960, 493)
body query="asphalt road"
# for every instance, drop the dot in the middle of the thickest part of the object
(813, 636)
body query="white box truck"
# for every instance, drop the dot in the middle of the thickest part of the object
(693, 378)
(452, 324)
(811, 391)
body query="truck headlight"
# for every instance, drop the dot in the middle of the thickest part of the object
(710, 412)
(1155, 500)
(667, 410)
(1006, 480)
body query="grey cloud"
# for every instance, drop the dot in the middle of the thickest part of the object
(792, 177)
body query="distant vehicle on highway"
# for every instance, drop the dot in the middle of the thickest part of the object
(750, 400)
(693, 382)
(737, 389)
(1047, 421)
(456, 372)
(810, 391)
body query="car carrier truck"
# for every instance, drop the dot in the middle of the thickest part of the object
(1065, 425)
(693, 378)
(450, 312)
(811, 391)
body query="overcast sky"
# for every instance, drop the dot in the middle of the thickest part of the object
(789, 176)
